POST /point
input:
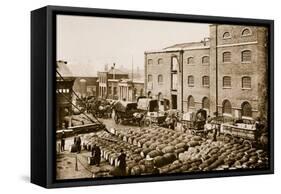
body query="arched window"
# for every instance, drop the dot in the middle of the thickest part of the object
(160, 61)
(246, 109)
(190, 103)
(226, 81)
(226, 107)
(149, 78)
(246, 56)
(205, 59)
(226, 35)
(226, 57)
(160, 78)
(150, 61)
(205, 103)
(246, 82)
(190, 60)
(246, 32)
(205, 81)
(190, 80)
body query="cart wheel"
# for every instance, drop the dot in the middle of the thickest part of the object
(227, 138)
(147, 122)
(247, 142)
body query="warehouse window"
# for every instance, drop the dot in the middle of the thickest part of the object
(246, 82)
(174, 81)
(160, 79)
(246, 32)
(190, 80)
(205, 60)
(226, 35)
(226, 81)
(174, 63)
(246, 109)
(205, 81)
(149, 79)
(226, 57)
(160, 61)
(190, 60)
(205, 103)
(246, 56)
(226, 107)
(190, 103)
(150, 61)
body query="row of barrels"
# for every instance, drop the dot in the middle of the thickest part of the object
(111, 145)
(221, 156)
(161, 145)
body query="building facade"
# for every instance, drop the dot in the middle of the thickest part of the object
(86, 86)
(115, 84)
(64, 93)
(225, 73)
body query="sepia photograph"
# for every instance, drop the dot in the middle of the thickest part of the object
(138, 97)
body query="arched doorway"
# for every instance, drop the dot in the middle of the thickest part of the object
(246, 109)
(190, 104)
(206, 104)
(226, 107)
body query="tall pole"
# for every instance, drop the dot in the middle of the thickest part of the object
(181, 64)
(132, 68)
(217, 70)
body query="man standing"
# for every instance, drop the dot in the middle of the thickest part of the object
(97, 155)
(62, 141)
(122, 163)
(78, 143)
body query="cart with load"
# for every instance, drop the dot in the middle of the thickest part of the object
(101, 108)
(195, 122)
(246, 131)
(124, 111)
(150, 109)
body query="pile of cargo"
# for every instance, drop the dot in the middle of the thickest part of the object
(219, 155)
(162, 145)
(161, 150)
(78, 120)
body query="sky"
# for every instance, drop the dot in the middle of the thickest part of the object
(88, 43)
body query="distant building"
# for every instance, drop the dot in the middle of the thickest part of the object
(115, 84)
(86, 86)
(63, 92)
(225, 73)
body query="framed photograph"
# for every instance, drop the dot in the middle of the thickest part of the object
(126, 96)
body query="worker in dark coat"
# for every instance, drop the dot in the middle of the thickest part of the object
(93, 150)
(63, 141)
(122, 163)
(78, 143)
(97, 155)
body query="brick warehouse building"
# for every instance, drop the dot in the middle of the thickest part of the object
(225, 73)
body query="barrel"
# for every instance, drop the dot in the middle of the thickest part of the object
(149, 164)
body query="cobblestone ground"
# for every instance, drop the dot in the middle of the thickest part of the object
(66, 161)
(206, 155)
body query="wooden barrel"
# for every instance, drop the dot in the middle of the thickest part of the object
(136, 170)
(149, 165)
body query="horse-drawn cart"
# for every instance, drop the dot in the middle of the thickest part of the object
(195, 122)
(124, 111)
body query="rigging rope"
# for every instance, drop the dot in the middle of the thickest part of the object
(70, 101)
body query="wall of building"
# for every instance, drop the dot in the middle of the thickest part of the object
(198, 70)
(155, 70)
(235, 43)
(236, 69)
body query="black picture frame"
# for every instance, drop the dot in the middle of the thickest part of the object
(43, 65)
